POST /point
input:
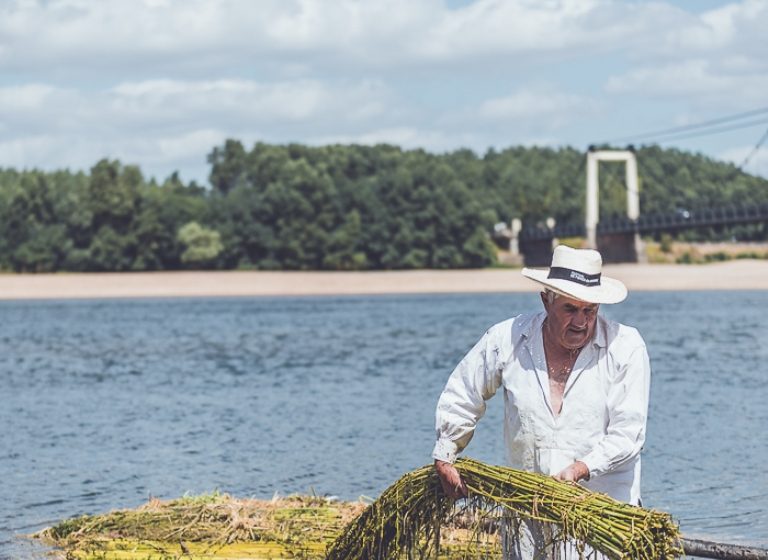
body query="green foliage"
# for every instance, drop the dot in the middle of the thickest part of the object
(408, 518)
(110, 220)
(228, 165)
(666, 243)
(336, 207)
(687, 258)
(202, 244)
(70, 526)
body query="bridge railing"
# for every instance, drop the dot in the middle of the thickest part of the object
(654, 223)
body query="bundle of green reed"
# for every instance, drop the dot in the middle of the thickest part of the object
(407, 518)
(209, 526)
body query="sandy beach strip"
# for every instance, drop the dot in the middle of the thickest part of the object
(732, 275)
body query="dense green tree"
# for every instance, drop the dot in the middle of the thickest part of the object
(228, 166)
(345, 250)
(335, 207)
(201, 244)
(162, 211)
(113, 195)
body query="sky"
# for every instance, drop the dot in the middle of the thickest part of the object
(159, 83)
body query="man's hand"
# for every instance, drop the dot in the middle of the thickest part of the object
(573, 473)
(450, 479)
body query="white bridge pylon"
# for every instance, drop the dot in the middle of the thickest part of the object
(633, 196)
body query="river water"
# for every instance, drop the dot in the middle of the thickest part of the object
(106, 403)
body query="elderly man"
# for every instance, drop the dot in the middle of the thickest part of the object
(575, 386)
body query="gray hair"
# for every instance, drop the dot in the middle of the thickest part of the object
(551, 295)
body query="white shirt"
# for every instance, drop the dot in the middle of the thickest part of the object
(604, 410)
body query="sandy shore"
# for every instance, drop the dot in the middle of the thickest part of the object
(732, 275)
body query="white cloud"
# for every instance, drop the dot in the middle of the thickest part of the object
(187, 37)
(716, 58)
(249, 101)
(28, 97)
(156, 155)
(184, 146)
(156, 104)
(166, 124)
(681, 78)
(534, 116)
(159, 82)
(16, 151)
(702, 80)
(739, 24)
(192, 38)
(525, 105)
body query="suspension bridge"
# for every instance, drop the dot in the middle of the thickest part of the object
(618, 238)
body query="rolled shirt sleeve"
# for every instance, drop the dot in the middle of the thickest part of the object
(462, 402)
(627, 413)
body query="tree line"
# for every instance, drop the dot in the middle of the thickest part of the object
(332, 207)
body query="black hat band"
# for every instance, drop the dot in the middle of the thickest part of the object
(560, 273)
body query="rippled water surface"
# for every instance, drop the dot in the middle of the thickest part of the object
(105, 403)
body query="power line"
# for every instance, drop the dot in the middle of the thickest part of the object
(685, 128)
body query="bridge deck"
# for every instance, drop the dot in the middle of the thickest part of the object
(653, 223)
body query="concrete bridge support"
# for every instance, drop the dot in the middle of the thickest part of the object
(614, 248)
(621, 247)
(538, 252)
(516, 257)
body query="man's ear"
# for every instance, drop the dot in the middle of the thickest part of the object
(544, 300)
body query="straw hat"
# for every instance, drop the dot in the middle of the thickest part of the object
(577, 273)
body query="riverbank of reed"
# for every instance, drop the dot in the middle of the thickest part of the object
(409, 516)
(411, 519)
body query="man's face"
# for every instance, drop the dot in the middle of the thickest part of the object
(570, 322)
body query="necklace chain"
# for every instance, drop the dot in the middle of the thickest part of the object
(562, 373)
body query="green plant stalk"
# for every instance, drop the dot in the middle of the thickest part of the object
(403, 520)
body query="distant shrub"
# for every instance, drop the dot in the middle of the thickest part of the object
(719, 256)
(665, 243)
(750, 255)
(689, 257)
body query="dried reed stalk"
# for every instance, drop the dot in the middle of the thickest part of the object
(406, 519)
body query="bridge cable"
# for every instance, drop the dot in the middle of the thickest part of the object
(717, 130)
(690, 127)
(757, 147)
